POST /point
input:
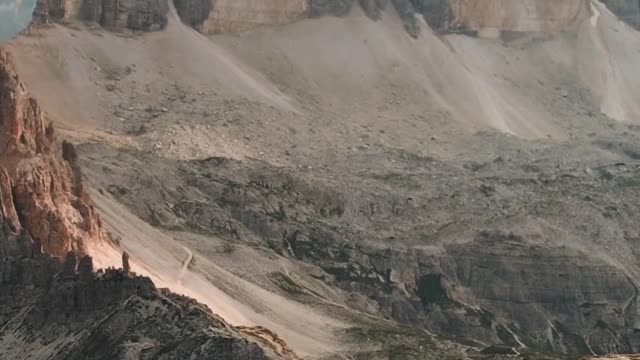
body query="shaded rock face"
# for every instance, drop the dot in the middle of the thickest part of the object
(373, 8)
(193, 12)
(148, 15)
(330, 7)
(627, 10)
(437, 14)
(115, 15)
(41, 189)
(466, 16)
(49, 310)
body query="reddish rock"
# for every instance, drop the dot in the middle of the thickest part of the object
(41, 188)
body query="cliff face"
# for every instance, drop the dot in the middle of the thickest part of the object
(116, 15)
(41, 190)
(54, 310)
(210, 16)
(230, 15)
(626, 10)
(519, 15)
(441, 15)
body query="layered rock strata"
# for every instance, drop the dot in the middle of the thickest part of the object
(42, 199)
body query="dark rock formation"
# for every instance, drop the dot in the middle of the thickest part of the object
(49, 11)
(373, 8)
(109, 316)
(330, 7)
(437, 13)
(627, 10)
(148, 15)
(193, 12)
(85, 269)
(70, 266)
(125, 263)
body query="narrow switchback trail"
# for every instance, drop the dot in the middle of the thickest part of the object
(186, 264)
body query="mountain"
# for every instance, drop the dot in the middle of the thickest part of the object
(404, 179)
(53, 309)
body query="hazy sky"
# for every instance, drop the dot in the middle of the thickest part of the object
(14, 16)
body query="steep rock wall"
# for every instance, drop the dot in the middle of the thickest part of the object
(518, 15)
(115, 15)
(441, 15)
(41, 188)
(233, 15)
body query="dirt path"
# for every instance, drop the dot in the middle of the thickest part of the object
(239, 302)
(186, 264)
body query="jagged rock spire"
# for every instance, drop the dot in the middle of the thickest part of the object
(41, 192)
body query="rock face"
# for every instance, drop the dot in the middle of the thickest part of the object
(41, 190)
(441, 15)
(627, 10)
(209, 16)
(193, 13)
(330, 7)
(148, 15)
(61, 309)
(115, 15)
(519, 15)
(50, 310)
(233, 15)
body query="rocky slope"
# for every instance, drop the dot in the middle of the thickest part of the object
(231, 16)
(474, 178)
(54, 309)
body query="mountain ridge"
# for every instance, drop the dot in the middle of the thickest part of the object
(474, 179)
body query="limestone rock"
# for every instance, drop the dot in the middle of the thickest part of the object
(234, 15)
(125, 263)
(116, 15)
(41, 188)
(49, 11)
(330, 7)
(193, 12)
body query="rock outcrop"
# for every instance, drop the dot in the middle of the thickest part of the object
(232, 15)
(115, 15)
(626, 10)
(441, 15)
(53, 310)
(148, 15)
(210, 16)
(53, 305)
(51, 11)
(41, 190)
